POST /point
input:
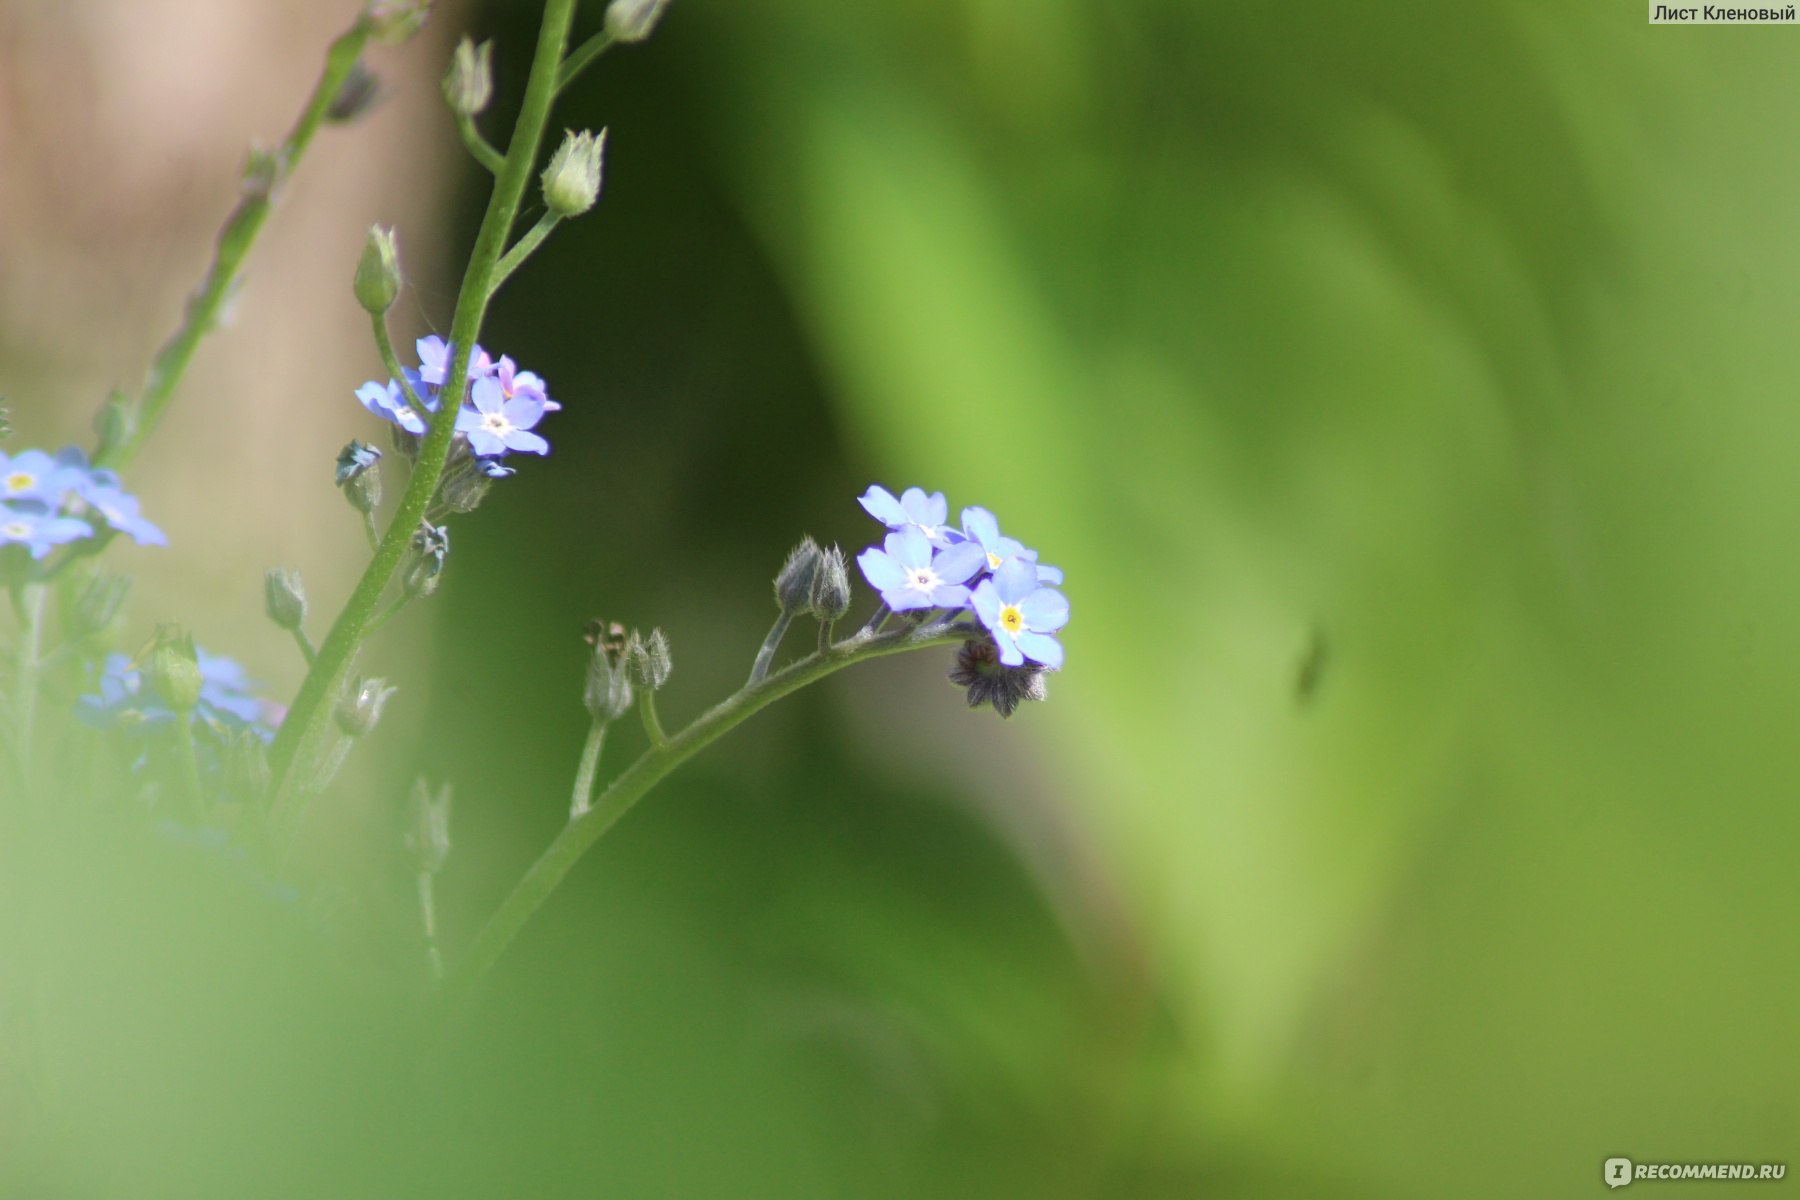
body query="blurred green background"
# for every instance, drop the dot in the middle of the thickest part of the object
(1406, 390)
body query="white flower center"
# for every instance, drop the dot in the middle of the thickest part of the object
(994, 561)
(403, 412)
(496, 424)
(922, 579)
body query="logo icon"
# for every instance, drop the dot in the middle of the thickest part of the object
(1616, 1172)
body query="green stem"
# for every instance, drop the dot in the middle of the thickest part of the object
(652, 722)
(760, 668)
(522, 249)
(306, 646)
(582, 58)
(235, 240)
(302, 733)
(579, 836)
(484, 153)
(369, 531)
(582, 797)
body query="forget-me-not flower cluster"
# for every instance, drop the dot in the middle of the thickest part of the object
(926, 563)
(229, 701)
(496, 417)
(50, 500)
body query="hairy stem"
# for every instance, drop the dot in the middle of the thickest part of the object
(235, 240)
(579, 836)
(582, 57)
(302, 733)
(582, 797)
(478, 146)
(652, 722)
(534, 237)
(759, 669)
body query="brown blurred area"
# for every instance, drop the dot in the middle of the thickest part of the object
(124, 129)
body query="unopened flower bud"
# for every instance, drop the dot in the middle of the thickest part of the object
(633, 20)
(355, 96)
(378, 272)
(794, 582)
(359, 474)
(650, 660)
(428, 827)
(284, 597)
(469, 85)
(393, 21)
(831, 586)
(425, 559)
(572, 180)
(96, 604)
(607, 694)
(175, 669)
(360, 709)
(464, 490)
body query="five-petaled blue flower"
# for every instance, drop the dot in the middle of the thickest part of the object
(388, 401)
(909, 574)
(35, 475)
(495, 422)
(1021, 614)
(37, 527)
(913, 510)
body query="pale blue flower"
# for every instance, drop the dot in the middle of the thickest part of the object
(913, 510)
(1021, 615)
(909, 574)
(38, 527)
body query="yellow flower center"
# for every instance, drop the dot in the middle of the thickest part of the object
(1011, 619)
(18, 481)
(993, 561)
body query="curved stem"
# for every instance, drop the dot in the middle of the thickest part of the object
(478, 146)
(303, 732)
(190, 767)
(579, 836)
(305, 644)
(760, 668)
(582, 57)
(582, 797)
(652, 723)
(235, 240)
(522, 249)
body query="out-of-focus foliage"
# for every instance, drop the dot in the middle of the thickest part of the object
(1406, 390)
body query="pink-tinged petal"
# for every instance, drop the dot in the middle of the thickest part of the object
(1040, 647)
(1045, 610)
(530, 443)
(880, 504)
(880, 569)
(958, 563)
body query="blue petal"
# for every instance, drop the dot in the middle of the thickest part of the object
(1009, 649)
(1045, 610)
(986, 602)
(910, 547)
(1015, 579)
(904, 598)
(880, 569)
(950, 595)
(956, 564)
(527, 442)
(1039, 647)
(1050, 575)
(880, 504)
(980, 524)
